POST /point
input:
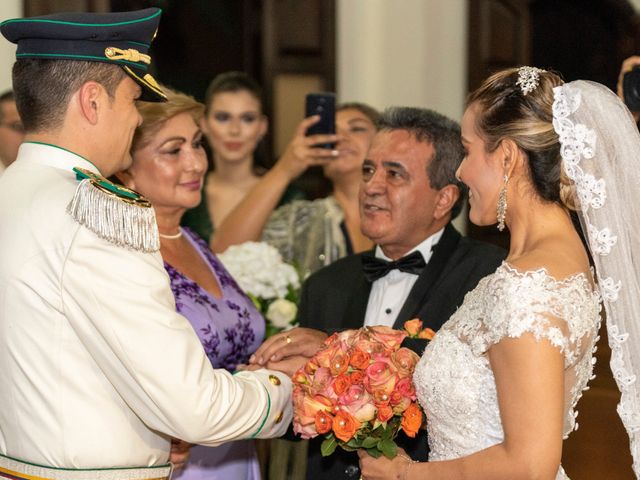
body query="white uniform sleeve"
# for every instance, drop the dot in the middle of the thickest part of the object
(120, 305)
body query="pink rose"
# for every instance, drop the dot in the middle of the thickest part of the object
(357, 401)
(406, 389)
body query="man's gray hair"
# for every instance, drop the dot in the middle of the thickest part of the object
(441, 132)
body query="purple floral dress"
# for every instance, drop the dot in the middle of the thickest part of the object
(230, 329)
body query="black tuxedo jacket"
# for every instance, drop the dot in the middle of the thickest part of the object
(335, 298)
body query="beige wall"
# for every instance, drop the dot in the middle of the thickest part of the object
(403, 52)
(8, 9)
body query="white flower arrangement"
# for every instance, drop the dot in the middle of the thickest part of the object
(272, 284)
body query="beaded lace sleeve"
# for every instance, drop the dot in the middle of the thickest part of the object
(565, 313)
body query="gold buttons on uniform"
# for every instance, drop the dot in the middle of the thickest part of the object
(274, 380)
(279, 418)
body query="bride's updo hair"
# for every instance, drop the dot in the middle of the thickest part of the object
(505, 112)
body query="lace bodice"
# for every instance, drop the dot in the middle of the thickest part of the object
(454, 380)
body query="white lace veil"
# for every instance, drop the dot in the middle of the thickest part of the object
(600, 147)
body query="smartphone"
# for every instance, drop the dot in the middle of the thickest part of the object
(323, 104)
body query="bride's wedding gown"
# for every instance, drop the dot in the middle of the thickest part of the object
(454, 380)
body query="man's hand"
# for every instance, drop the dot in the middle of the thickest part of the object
(180, 453)
(295, 342)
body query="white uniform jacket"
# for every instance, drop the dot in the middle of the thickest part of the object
(96, 367)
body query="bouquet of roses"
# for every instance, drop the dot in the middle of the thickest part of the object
(358, 392)
(272, 284)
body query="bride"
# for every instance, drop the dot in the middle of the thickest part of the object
(500, 382)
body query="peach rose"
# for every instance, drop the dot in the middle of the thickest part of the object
(323, 422)
(427, 334)
(413, 326)
(388, 336)
(305, 409)
(412, 420)
(405, 361)
(345, 426)
(322, 380)
(339, 362)
(380, 376)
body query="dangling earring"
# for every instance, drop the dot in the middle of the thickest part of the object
(502, 204)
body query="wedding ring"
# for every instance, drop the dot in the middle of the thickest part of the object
(288, 339)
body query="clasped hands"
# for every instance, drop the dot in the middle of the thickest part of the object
(287, 351)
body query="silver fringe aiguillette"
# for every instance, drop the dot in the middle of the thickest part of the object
(122, 222)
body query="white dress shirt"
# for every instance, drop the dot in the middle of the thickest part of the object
(97, 369)
(389, 293)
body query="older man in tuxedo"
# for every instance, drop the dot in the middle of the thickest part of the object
(421, 267)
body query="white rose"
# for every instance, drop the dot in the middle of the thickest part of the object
(281, 313)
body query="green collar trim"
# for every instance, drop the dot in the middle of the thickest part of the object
(83, 469)
(84, 57)
(60, 22)
(64, 149)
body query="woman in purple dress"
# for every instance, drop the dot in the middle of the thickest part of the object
(168, 168)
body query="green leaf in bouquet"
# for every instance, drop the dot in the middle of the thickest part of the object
(388, 448)
(370, 442)
(328, 445)
(374, 452)
(354, 443)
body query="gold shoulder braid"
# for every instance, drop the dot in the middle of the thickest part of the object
(115, 213)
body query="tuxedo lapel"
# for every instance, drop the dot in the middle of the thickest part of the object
(359, 299)
(431, 273)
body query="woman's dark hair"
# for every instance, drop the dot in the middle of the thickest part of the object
(232, 82)
(505, 112)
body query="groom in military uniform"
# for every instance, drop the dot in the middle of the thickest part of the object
(97, 370)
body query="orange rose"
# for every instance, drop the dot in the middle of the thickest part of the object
(413, 326)
(357, 377)
(427, 334)
(359, 359)
(412, 420)
(385, 412)
(345, 426)
(381, 375)
(341, 383)
(323, 421)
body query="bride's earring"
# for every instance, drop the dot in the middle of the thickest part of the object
(501, 210)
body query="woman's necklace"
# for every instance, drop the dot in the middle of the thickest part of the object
(175, 236)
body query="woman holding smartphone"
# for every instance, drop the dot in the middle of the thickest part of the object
(234, 125)
(315, 233)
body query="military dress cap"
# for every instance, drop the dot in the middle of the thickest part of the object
(120, 38)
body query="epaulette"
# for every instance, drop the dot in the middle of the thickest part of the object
(115, 213)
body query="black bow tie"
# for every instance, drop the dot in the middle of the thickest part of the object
(375, 268)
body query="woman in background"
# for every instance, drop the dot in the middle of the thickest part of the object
(310, 234)
(234, 124)
(169, 164)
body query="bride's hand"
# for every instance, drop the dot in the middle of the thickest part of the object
(383, 468)
(294, 342)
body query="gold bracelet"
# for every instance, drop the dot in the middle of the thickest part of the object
(410, 462)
